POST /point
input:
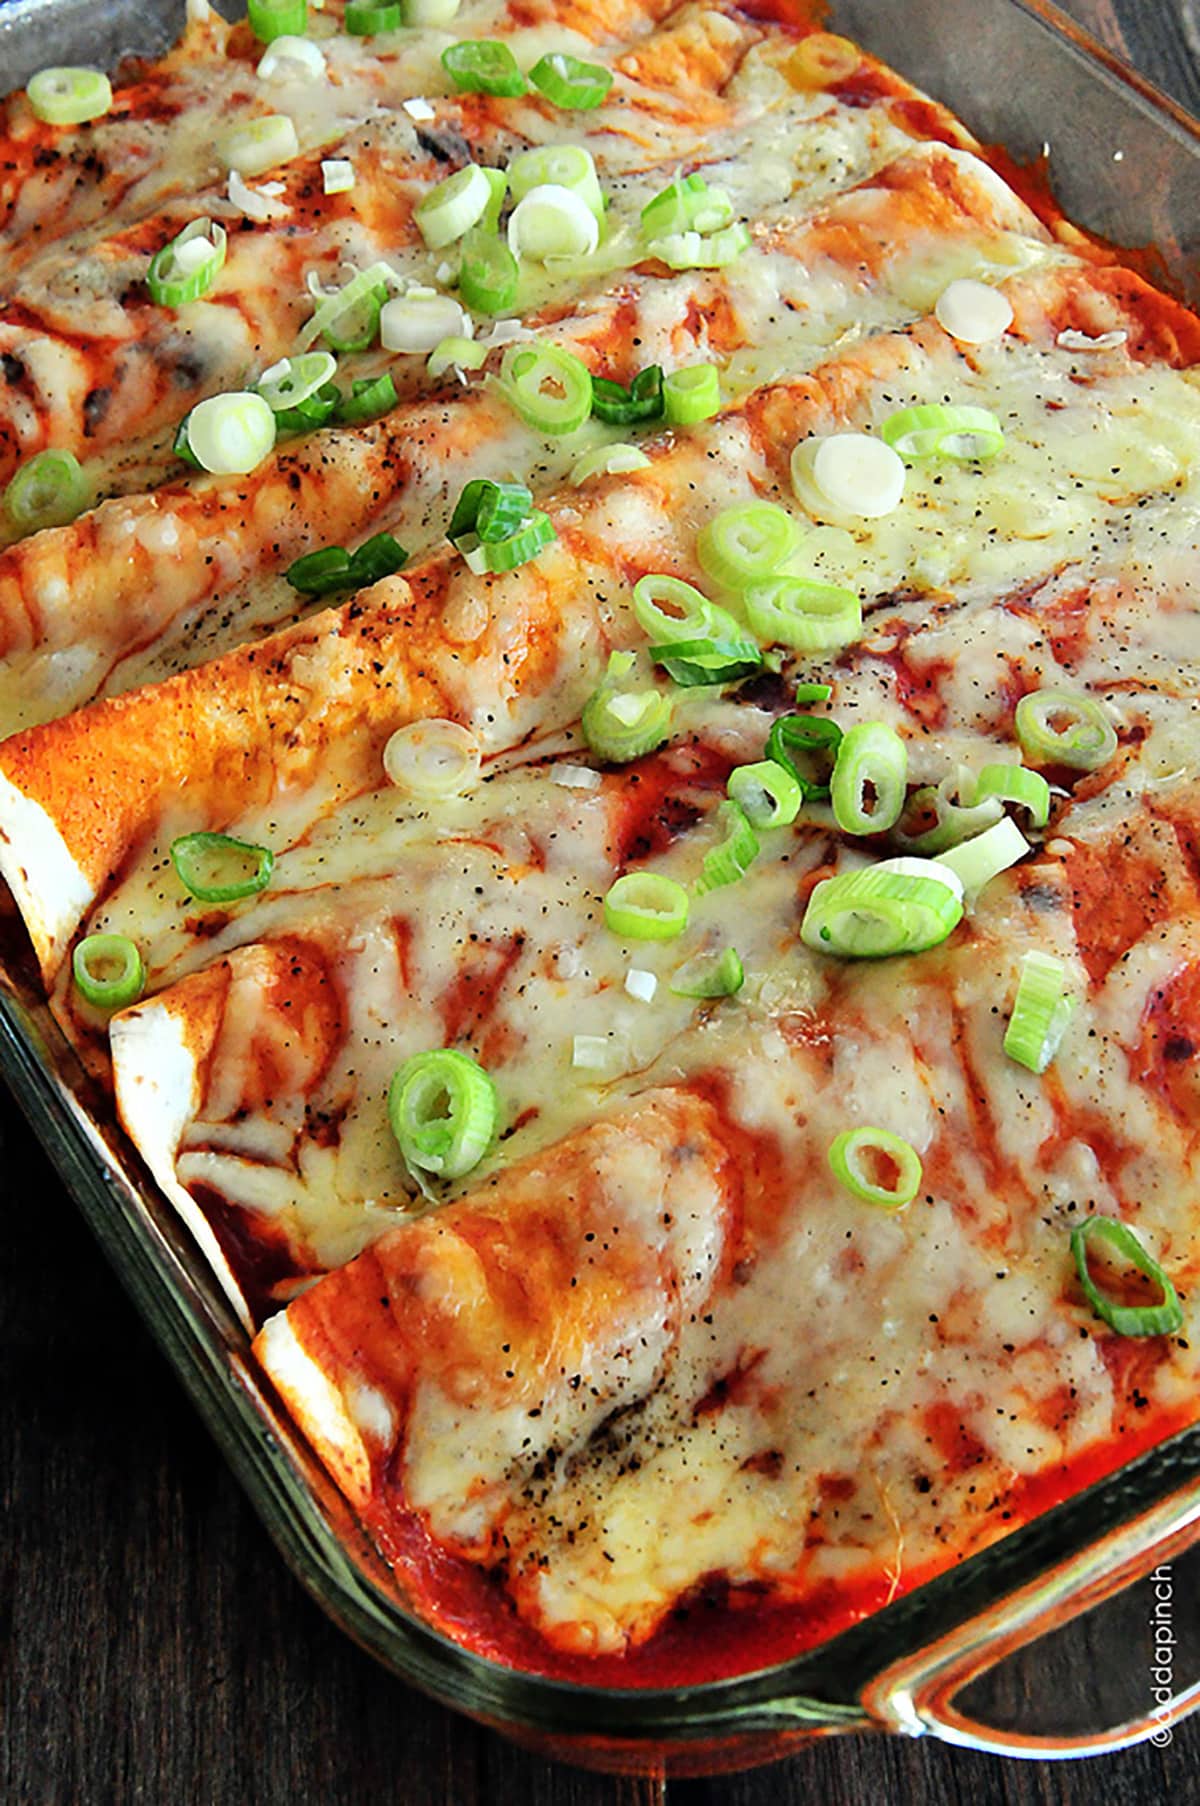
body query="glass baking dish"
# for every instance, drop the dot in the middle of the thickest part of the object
(904, 1669)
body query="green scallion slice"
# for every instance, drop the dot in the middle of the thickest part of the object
(806, 692)
(869, 776)
(710, 975)
(1162, 1319)
(271, 19)
(443, 1110)
(295, 380)
(769, 793)
(370, 397)
(880, 1168)
(691, 394)
(747, 544)
(936, 431)
(452, 207)
(363, 20)
(1016, 784)
(1059, 727)
(607, 461)
(977, 861)
(377, 557)
(108, 971)
(186, 267)
(707, 661)
(895, 906)
(215, 868)
(620, 406)
(667, 608)
(557, 166)
(48, 490)
(952, 822)
(484, 66)
(566, 82)
(316, 410)
(699, 250)
(729, 862)
(807, 746)
(620, 725)
(550, 388)
(803, 615)
(69, 96)
(687, 204)
(515, 549)
(488, 273)
(1041, 1012)
(646, 906)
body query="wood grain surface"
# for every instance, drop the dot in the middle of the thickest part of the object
(153, 1648)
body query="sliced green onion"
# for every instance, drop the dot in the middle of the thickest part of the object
(377, 557)
(620, 406)
(48, 490)
(489, 510)
(454, 206)
(363, 20)
(484, 66)
(181, 445)
(296, 379)
(415, 322)
(230, 435)
(333, 568)
(895, 906)
(550, 388)
(700, 251)
(307, 415)
(567, 82)
(1127, 1319)
(688, 204)
(443, 1110)
(271, 19)
(953, 822)
(1016, 784)
(432, 759)
(608, 461)
(620, 725)
(488, 274)
(259, 144)
(937, 431)
(769, 793)
(646, 906)
(319, 573)
(729, 862)
(807, 746)
(707, 661)
(807, 616)
(456, 354)
(976, 862)
(850, 1153)
(108, 971)
(747, 544)
(710, 975)
(1042, 1010)
(69, 96)
(557, 166)
(429, 12)
(667, 608)
(498, 183)
(813, 692)
(1059, 727)
(869, 777)
(691, 394)
(187, 267)
(552, 221)
(215, 868)
(349, 319)
(506, 554)
(289, 59)
(370, 397)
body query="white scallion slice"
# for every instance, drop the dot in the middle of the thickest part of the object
(230, 435)
(432, 759)
(293, 379)
(419, 321)
(289, 59)
(69, 96)
(977, 861)
(259, 144)
(552, 221)
(454, 206)
(973, 312)
(1069, 339)
(853, 472)
(337, 175)
(1042, 1011)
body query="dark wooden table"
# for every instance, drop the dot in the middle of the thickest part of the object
(154, 1647)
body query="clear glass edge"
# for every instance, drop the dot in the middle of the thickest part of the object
(860, 1678)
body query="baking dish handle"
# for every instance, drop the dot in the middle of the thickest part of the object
(918, 1696)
